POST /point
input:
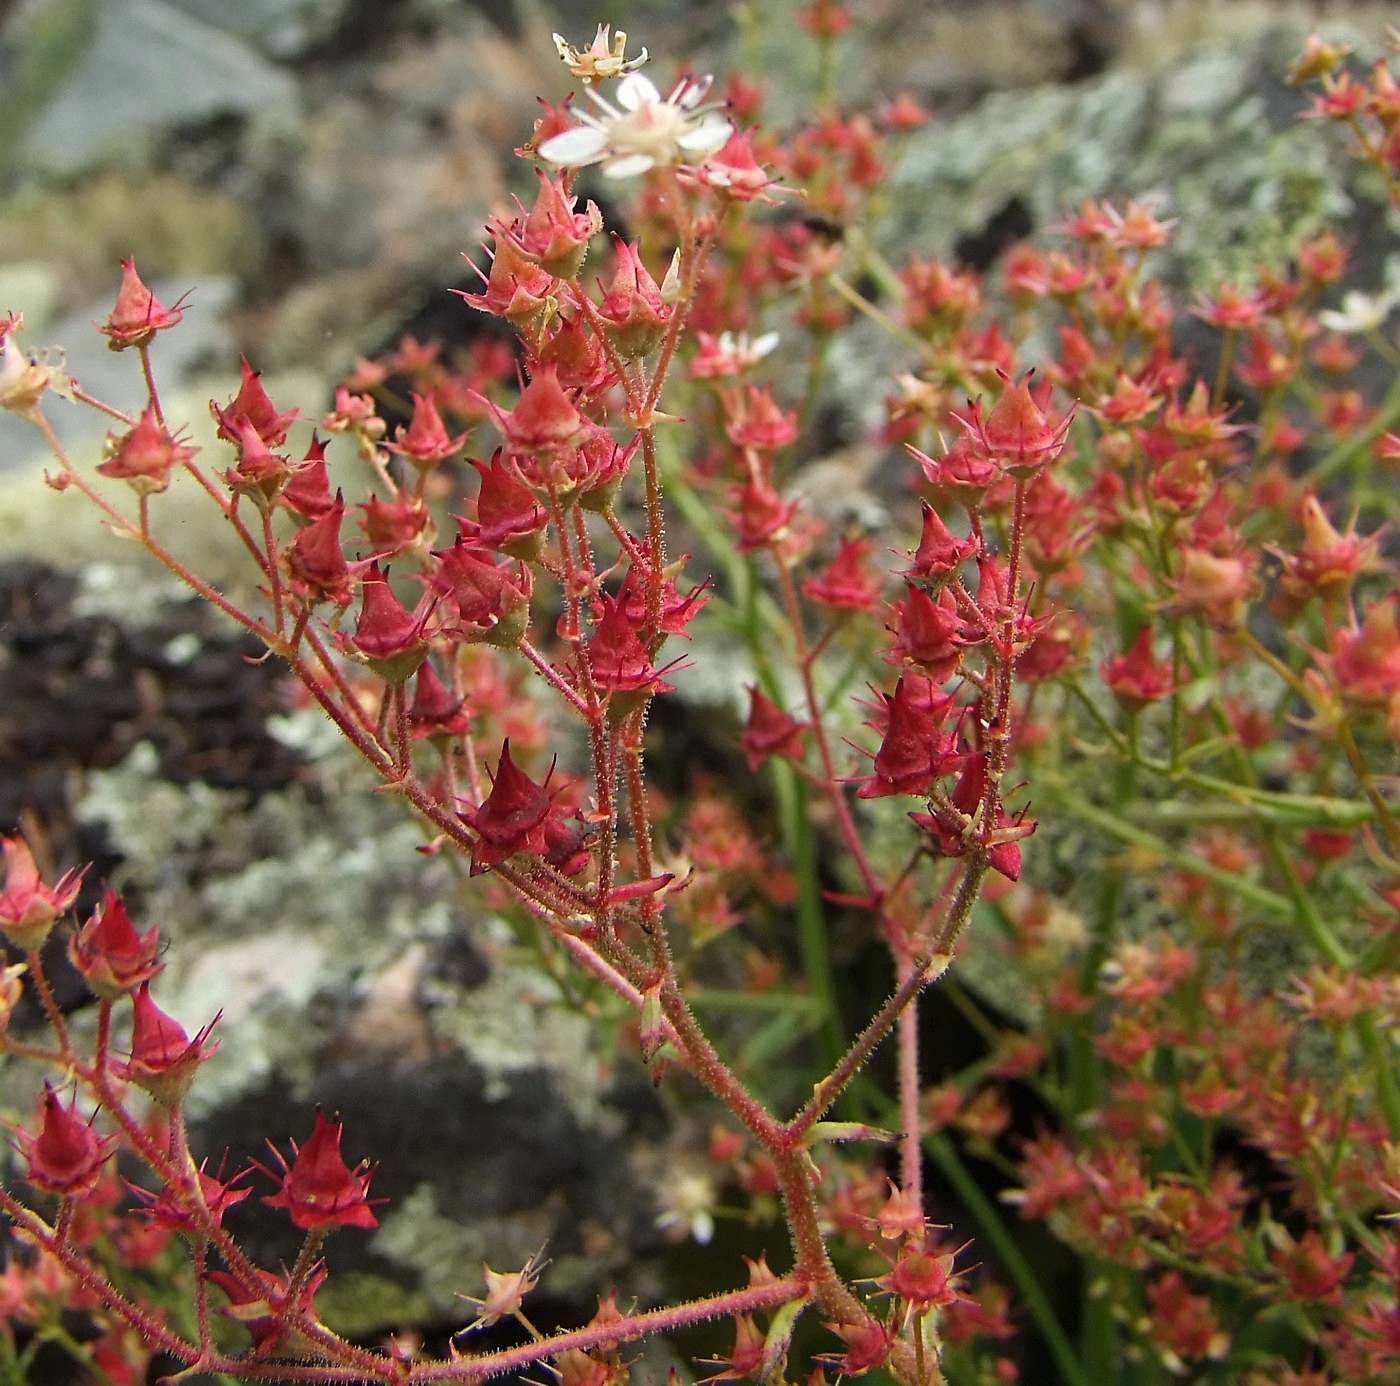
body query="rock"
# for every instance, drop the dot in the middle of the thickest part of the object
(284, 30)
(352, 974)
(148, 68)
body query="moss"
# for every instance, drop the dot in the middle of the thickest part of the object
(447, 1255)
(357, 1304)
(174, 226)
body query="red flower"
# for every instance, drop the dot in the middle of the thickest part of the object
(28, 908)
(677, 612)
(1326, 560)
(265, 1314)
(492, 601)
(736, 171)
(178, 1209)
(918, 747)
(847, 585)
(517, 289)
(511, 818)
(867, 1346)
(922, 1278)
(435, 712)
(425, 442)
(770, 732)
(746, 1360)
(1217, 588)
(163, 1057)
(575, 354)
(393, 525)
(552, 233)
(1135, 678)
(388, 635)
(252, 404)
(507, 517)
(963, 474)
(633, 308)
(260, 474)
(319, 1190)
(940, 554)
(1183, 1324)
(544, 418)
(317, 569)
(145, 456)
(763, 515)
(308, 493)
(617, 659)
(1310, 1270)
(957, 823)
(112, 957)
(137, 315)
(929, 633)
(1016, 434)
(753, 420)
(67, 1155)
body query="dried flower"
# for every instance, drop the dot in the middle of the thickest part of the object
(24, 378)
(598, 62)
(505, 1292)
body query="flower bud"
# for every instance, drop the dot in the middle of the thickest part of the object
(389, 636)
(137, 315)
(145, 456)
(163, 1057)
(111, 956)
(29, 908)
(66, 1156)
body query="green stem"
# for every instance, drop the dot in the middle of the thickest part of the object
(1359, 444)
(1013, 1261)
(813, 943)
(1267, 901)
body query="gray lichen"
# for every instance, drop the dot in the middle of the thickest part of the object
(312, 893)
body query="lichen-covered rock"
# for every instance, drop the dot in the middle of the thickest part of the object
(354, 973)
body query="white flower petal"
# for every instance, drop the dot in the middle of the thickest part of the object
(709, 134)
(628, 165)
(636, 91)
(690, 93)
(576, 147)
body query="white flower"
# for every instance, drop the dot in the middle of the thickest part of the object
(747, 353)
(642, 130)
(730, 353)
(690, 1198)
(24, 378)
(1359, 312)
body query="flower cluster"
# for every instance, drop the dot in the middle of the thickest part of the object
(1154, 605)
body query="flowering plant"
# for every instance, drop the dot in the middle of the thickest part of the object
(1120, 596)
